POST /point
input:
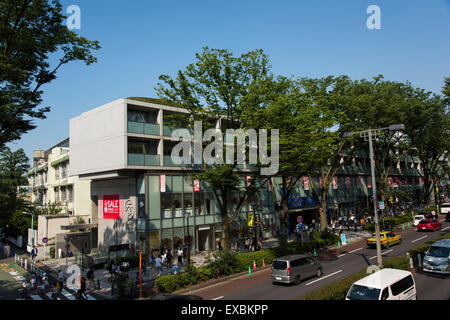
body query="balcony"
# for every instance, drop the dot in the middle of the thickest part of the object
(143, 159)
(143, 128)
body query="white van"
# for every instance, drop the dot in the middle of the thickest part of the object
(385, 284)
(417, 219)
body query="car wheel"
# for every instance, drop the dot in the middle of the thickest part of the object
(319, 272)
(297, 280)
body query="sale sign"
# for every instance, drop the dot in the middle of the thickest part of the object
(111, 206)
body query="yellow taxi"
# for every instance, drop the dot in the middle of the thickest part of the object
(387, 238)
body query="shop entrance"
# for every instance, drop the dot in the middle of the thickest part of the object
(203, 236)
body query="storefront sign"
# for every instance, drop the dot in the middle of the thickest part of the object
(162, 179)
(335, 183)
(196, 185)
(111, 206)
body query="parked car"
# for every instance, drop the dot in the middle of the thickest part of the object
(387, 238)
(428, 224)
(385, 284)
(417, 219)
(437, 257)
(295, 267)
(445, 208)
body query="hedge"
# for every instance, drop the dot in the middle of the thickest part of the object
(390, 222)
(230, 263)
(338, 289)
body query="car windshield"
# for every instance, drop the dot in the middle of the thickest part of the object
(418, 218)
(279, 265)
(358, 292)
(439, 252)
(381, 235)
(424, 221)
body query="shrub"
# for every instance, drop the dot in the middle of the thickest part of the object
(52, 252)
(390, 222)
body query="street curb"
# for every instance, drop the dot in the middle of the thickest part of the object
(215, 281)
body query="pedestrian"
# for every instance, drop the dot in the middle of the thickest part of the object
(33, 284)
(138, 278)
(144, 267)
(24, 292)
(34, 253)
(54, 292)
(81, 295)
(164, 256)
(169, 258)
(219, 244)
(158, 262)
(61, 279)
(341, 228)
(180, 255)
(356, 225)
(152, 258)
(175, 269)
(90, 276)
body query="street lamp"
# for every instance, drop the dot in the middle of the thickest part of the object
(367, 135)
(32, 222)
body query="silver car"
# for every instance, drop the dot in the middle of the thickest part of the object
(295, 267)
(437, 257)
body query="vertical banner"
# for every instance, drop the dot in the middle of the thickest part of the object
(335, 183)
(111, 206)
(390, 182)
(196, 185)
(249, 181)
(306, 183)
(162, 183)
(395, 182)
(347, 183)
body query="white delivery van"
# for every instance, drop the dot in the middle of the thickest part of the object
(385, 284)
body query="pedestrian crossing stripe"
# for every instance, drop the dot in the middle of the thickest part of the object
(67, 294)
(36, 297)
(49, 294)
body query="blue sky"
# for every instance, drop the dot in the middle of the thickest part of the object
(142, 39)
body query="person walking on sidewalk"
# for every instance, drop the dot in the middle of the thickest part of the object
(61, 279)
(180, 255)
(34, 253)
(169, 258)
(158, 262)
(90, 276)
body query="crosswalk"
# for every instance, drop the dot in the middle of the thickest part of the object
(48, 295)
(64, 295)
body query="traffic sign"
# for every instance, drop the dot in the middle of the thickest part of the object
(45, 240)
(381, 205)
(299, 219)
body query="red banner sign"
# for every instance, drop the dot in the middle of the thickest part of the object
(196, 185)
(111, 206)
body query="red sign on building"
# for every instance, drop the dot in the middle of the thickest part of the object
(111, 206)
(196, 185)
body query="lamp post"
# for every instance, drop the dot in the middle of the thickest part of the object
(32, 223)
(369, 135)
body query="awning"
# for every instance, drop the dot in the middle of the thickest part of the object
(80, 226)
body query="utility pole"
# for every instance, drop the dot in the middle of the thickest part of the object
(374, 188)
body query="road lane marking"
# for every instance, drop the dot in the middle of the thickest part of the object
(419, 239)
(342, 255)
(332, 274)
(218, 298)
(445, 228)
(382, 253)
(355, 250)
(67, 294)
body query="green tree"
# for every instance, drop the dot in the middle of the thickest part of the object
(32, 32)
(13, 166)
(218, 85)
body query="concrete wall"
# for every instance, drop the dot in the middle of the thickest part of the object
(82, 197)
(117, 231)
(98, 139)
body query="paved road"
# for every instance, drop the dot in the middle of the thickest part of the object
(337, 264)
